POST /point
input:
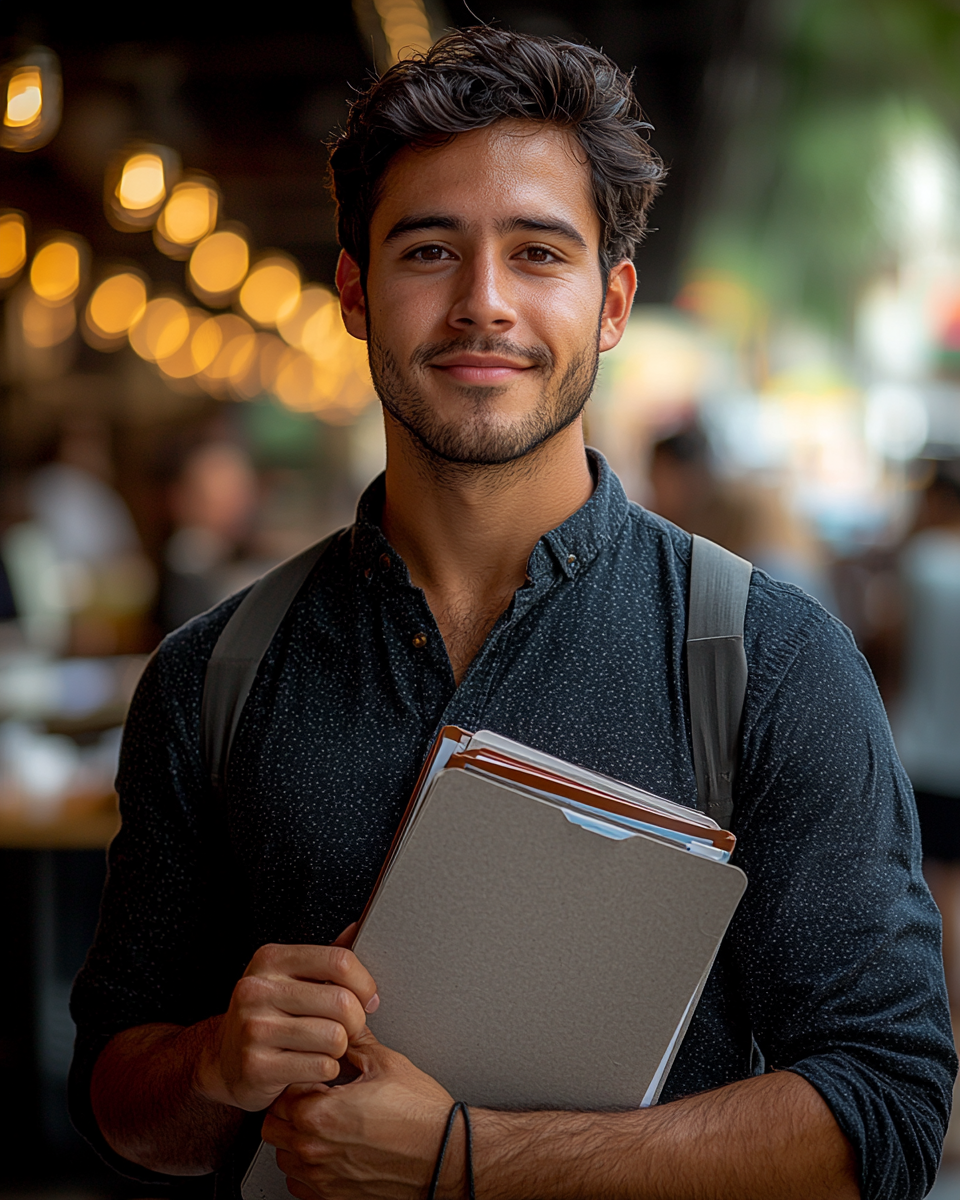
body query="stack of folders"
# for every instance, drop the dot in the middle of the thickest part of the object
(540, 934)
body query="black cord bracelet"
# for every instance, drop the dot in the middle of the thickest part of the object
(460, 1107)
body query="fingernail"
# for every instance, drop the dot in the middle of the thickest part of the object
(372, 1004)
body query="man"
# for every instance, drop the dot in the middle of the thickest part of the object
(490, 197)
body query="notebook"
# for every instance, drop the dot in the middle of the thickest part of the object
(540, 934)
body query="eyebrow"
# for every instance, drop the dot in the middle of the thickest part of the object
(422, 222)
(532, 225)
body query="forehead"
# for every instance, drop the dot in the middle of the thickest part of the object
(513, 168)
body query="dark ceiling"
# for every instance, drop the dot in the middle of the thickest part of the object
(252, 104)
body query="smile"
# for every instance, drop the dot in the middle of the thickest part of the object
(481, 369)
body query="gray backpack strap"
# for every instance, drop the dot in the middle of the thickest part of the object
(716, 671)
(245, 639)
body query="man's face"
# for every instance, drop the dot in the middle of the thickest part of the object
(484, 291)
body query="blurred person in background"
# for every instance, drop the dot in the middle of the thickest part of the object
(79, 578)
(926, 713)
(213, 503)
(750, 520)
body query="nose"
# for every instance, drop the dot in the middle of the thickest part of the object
(483, 302)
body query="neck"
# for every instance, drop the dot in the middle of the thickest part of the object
(466, 532)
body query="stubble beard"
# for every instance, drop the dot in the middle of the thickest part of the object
(478, 440)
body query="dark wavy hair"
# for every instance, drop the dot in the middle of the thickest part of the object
(473, 78)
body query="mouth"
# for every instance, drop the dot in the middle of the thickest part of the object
(481, 368)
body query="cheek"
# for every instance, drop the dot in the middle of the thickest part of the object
(567, 322)
(401, 316)
(568, 304)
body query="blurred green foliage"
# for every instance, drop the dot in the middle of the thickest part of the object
(816, 110)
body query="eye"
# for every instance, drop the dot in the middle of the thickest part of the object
(539, 254)
(430, 254)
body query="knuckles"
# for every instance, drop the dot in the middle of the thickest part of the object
(339, 1042)
(255, 1065)
(341, 961)
(258, 1031)
(345, 1007)
(267, 955)
(252, 990)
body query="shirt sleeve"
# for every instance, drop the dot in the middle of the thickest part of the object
(837, 940)
(163, 950)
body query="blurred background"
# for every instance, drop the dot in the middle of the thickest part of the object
(180, 407)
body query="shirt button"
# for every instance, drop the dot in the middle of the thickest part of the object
(571, 558)
(384, 562)
(367, 573)
(419, 641)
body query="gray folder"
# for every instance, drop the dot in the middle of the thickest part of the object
(525, 961)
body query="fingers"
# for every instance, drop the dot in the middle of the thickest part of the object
(297, 1173)
(263, 999)
(316, 964)
(306, 1035)
(275, 1070)
(346, 938)
(291, 1017)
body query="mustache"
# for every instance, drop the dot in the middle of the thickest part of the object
(540, 356)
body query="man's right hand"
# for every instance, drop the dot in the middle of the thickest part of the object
(290, 1019)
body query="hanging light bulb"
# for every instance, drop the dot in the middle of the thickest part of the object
(271, 290)
(189, 214)
(219, 265)
(116, 304)
(58, 268)
(13, 245)
(30, 91)
(137, 183)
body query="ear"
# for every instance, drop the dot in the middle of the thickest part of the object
(353, 303)
(621, 288)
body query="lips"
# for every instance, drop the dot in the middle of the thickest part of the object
(480, 368)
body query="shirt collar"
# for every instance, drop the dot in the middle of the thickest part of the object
(570, 548)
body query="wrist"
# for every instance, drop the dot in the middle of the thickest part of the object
(207, 1077)
(453, 1183)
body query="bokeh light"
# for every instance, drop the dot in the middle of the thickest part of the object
(206, 342)
(405, 26)
(142, 182)
(136, 184)
(312, 299)
(161, 330)
(271, 290)
(188, 216)
(117, 304)
(24, 97)
(30, 89)
(56, 270)
(219, 265)
(181, 364)
(260, 371)
(324, 335)
(13, 244)
(232, 357)
(325, 370)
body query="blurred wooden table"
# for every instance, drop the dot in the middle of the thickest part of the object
(84, 828)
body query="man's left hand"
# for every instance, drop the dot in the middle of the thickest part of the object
(377, 1136)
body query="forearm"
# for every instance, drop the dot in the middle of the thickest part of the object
(769, 1138)
(148, 1104)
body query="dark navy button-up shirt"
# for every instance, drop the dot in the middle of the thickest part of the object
(831, 967)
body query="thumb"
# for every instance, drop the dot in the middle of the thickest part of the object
(346, 937)
(366, 1053)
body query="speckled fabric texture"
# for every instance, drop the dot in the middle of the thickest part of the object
(831, 967)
